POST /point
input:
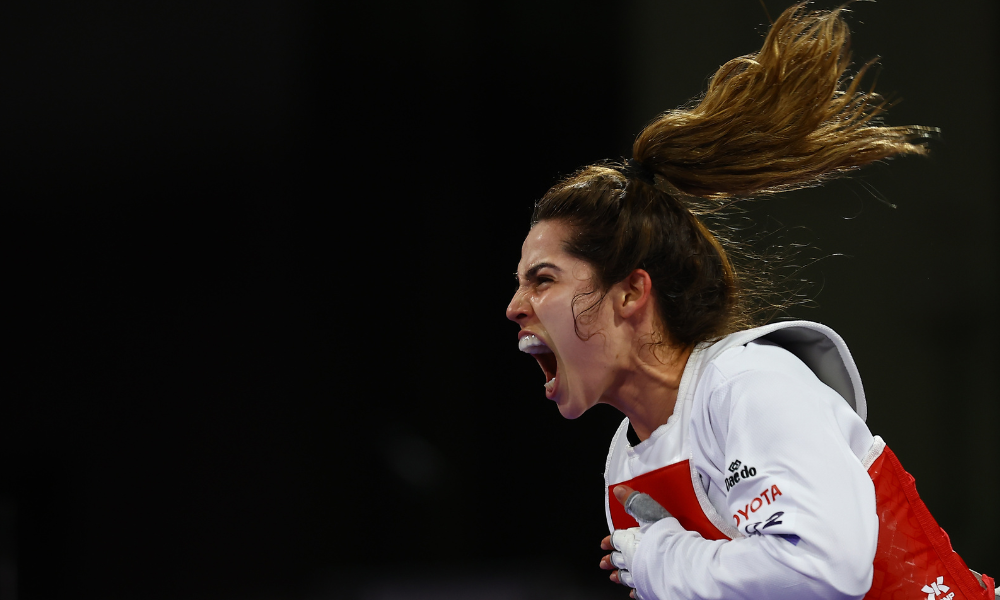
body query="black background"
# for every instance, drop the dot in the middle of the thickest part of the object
(256, 256)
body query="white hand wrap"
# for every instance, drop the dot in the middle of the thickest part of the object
(644, 509)
(625, 542)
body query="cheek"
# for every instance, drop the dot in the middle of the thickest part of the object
(593, 354)
(556, 312)
(583, 357)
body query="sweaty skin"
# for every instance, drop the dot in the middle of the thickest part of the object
(617, 358)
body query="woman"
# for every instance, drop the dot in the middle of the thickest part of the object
(751, 438)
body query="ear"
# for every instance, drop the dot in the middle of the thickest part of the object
(635, 292)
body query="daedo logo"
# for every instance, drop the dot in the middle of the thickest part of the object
(737, 474)
(936, 588)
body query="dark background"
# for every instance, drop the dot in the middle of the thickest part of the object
(256, 256)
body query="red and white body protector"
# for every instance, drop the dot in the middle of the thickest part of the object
(776, 486)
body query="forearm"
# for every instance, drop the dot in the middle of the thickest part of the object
(672, 563)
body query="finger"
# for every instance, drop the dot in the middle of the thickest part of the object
(644, 509)
(618, 560)
(622, 492)
(625, 578)
(606, 563)
(620, 538)
(632, 594)
(606, 543)
(616, 539)
(614, 576)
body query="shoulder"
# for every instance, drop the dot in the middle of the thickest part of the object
(759, 381)
(756, 356)
(756, 363)
(808, 353)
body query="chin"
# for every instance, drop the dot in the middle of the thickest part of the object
(571, 410)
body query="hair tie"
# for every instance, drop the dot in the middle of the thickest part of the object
(634, 169)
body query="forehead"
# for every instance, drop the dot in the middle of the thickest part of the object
(544, 243)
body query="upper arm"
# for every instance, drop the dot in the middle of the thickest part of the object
(790, 473)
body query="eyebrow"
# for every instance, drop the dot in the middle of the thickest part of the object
(533, 271)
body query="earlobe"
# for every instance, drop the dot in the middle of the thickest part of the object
(636, 289)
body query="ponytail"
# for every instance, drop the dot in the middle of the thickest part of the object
(781, 119)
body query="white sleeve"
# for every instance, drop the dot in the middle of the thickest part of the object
(793, 486)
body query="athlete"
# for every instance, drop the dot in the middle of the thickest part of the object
(755, 475)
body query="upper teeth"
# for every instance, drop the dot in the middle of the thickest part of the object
(532, 345)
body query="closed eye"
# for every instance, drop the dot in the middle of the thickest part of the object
(533, 276)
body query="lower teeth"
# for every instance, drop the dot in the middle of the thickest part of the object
(550, 384)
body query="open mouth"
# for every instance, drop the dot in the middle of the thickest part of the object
(545, 357)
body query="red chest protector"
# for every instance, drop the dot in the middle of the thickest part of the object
(913, 555)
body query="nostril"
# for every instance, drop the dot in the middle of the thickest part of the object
(515, 310)
(516, 315)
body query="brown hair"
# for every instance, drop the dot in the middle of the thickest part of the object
(781, 119)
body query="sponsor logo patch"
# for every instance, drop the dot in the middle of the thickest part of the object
(739, 474)
(756, 528)
(936, 588)
(782, 520)
(769, 495)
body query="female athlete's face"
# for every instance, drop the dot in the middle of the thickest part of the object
(577, 371)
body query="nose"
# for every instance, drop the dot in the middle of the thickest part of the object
(518, 309)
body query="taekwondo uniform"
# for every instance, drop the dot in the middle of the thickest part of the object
(776, 487)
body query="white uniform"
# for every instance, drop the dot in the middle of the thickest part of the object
(779, 462)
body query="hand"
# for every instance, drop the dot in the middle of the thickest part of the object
(625, 541)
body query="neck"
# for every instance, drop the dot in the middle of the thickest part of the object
(646, 391)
